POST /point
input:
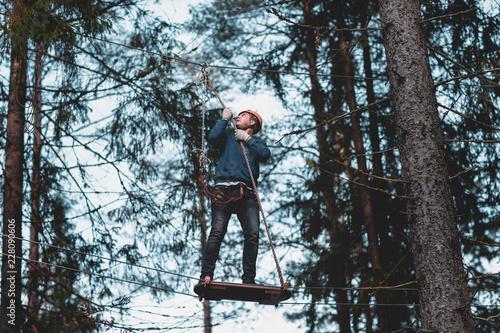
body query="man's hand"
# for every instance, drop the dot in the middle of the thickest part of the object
(241, 135)
(227, 114)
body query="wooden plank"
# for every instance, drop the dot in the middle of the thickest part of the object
(217, 291)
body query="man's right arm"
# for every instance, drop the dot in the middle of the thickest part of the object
(218, 134)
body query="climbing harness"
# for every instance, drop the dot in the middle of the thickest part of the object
(204, 289)
(220, 196)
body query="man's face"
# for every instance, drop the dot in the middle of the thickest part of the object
(244, 119)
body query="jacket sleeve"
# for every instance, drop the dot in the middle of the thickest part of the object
(217, 135)
(259, 149)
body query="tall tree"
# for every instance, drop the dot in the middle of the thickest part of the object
(53, 25)
(326, 182)
(435, 239)
(11, 310)
(36, 225)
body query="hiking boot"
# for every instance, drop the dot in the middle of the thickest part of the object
(251, 281)
(206, 279)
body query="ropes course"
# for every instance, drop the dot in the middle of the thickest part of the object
(234, 291)
(205, 82)
(280, 274)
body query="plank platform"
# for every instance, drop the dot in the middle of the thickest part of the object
(217, 291)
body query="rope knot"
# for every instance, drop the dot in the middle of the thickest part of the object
(204, 72)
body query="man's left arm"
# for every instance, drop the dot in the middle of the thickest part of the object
(259, 149)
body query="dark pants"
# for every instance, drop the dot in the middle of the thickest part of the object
(247, 211)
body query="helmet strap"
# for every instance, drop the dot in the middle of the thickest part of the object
(252, 126)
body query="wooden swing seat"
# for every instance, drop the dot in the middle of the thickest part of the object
(217, 291)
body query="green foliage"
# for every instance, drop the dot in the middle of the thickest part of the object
(61, 27)
(47, 22)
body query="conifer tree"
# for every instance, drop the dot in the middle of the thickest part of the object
(11, 309)
(443, 292)
(455, 56)
(53, 25)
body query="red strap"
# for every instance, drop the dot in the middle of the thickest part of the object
(220, 197)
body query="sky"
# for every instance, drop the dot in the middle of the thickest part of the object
(266, 104)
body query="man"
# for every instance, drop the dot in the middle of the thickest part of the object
(232, 179)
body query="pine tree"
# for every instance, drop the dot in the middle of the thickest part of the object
(53, 25)
(11, 310)
(435, 239)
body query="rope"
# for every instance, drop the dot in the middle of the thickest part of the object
(203, 155)
(166, 289)
(284, 284)
(61, 249)
(203, 79)
(188, 63)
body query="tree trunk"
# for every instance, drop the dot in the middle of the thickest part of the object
(11, 313)
(442, 285)
(370, 98)
(36, 223)
(361, 159)
(207, 309)
(335, 232)
(357, 136)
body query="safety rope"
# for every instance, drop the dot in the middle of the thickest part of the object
(203, 160)
(217, 195)
(284, 284)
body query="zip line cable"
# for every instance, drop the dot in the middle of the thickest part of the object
(162, 56)
(60, 249)
(375, 304)
(186, 62)
(203, 66)
(190, 295)
(101, 275)
(189, 63)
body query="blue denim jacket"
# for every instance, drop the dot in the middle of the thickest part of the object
(232, 165)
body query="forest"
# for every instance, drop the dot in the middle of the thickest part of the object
(381, 197)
